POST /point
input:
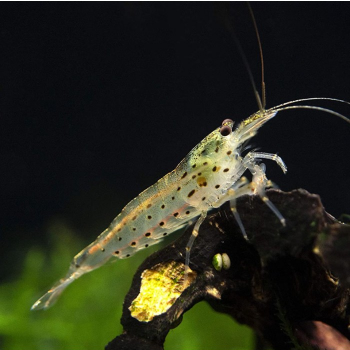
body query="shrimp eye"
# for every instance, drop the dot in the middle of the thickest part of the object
(225, 130)
(228, 122)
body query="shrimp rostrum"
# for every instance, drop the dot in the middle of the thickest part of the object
(210, 175)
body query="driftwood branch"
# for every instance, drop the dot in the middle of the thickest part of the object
(289, 284)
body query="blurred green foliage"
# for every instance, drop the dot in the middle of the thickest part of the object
(87, 316)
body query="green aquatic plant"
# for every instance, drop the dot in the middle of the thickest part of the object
(88, 314)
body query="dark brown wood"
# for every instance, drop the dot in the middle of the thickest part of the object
(289, 284)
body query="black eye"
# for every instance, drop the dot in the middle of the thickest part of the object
(225, 130)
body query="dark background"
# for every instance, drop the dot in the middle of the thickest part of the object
(100, 100)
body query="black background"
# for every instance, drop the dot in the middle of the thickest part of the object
(100, 100)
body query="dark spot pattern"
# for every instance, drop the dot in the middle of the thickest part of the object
(217, 149)
(217, 186)
(194, 165)
(184, 175)
(133, 244)
(134, 218)
(203, 199)
(147, 234)
(179, 188)
(187, 212)
(176, 214)
(191, 193)
(146, 245)
(149, 205)
(161, 223)
(119, 239)
(134, 228)
(165, 233)
(229, 152)
(194, 176)
(163, 206)
(117, 252)
(149, 217)
(214, 169)
(127, 255)
(226, 170)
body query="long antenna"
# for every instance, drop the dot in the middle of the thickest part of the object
(230, 29)
(263, 90)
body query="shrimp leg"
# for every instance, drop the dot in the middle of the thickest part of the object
(260, 182)
(257, 186)
(237, 190)
(192, 238)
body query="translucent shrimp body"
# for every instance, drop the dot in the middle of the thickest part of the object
(210, 175)
(199, 183)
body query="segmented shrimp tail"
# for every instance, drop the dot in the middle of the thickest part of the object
(49, 298)
(90, 258)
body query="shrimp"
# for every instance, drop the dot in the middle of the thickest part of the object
(209, 176)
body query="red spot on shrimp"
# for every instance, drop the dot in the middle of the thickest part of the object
(94, 248)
